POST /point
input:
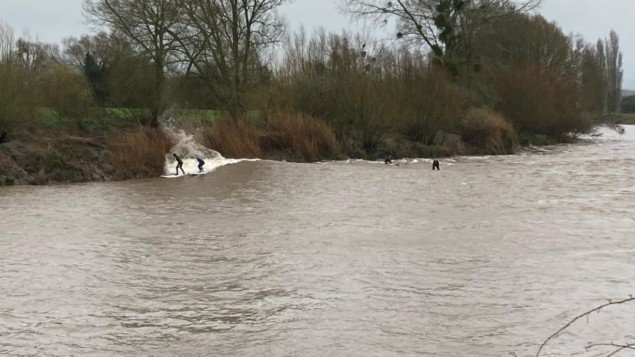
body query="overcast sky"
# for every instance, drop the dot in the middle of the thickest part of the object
(53, 20)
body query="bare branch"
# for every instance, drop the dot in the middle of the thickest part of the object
(620, 347)
(585, 314)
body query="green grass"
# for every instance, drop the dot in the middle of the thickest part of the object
(49, 118)
(101, 119)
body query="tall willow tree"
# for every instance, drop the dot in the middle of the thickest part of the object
(223, 43)
(149, 25)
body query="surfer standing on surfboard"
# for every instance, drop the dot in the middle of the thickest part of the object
(201, 162)
(179, 164)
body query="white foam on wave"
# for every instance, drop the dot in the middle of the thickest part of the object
(396, 162)
(618, 132)
(190, 166)
(186, 146)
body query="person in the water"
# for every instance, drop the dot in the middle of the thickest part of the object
(179, 164)
(201, 162)
(435, 165)
(388, 159)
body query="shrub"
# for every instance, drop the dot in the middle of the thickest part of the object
(488, 132)
(18, 98)
(542, 101)
(68, 93)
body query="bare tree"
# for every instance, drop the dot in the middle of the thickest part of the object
(7, 42)
(19, 97)
(75, 49)
(223, 43)
(443, 26)
(150, 25)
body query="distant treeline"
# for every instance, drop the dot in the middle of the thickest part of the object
(488, 72)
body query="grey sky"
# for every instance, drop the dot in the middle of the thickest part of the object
(53, 20)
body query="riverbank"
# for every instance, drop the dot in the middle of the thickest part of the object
(117, 148)
(54, 158)
(49, 157)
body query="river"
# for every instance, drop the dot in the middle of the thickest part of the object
(486, 257)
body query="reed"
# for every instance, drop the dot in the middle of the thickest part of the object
(301, 134)
(138, 153)
(233, 139)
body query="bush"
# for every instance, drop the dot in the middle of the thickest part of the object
(18, 98)
(68, 93)
(436, 104)
(542, 101)
(488, 132)
(139, 153)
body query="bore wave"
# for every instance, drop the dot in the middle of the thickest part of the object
(188, 149)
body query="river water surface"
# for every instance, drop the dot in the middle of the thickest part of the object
(488, 256)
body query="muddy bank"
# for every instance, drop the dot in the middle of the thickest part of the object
(61, 159)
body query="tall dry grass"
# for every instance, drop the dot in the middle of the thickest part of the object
(138, 153)
(233, 139)
(294, 135)
(300, 133)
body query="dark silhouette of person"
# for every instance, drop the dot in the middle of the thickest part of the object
(388, 159)
(201, 162)
(435, 164)
(179, 164)
(3, 137)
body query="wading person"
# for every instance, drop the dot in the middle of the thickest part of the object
(201, 162)
(179, 164)
(435, 165)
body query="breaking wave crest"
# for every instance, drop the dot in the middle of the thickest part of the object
(188, 148)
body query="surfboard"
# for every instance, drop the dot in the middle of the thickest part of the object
(186, 174)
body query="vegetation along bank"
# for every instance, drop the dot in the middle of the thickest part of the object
(456, 78)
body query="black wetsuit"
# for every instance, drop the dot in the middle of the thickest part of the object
(201, 162)
(435, 165)
(388, 159)
(179, 164)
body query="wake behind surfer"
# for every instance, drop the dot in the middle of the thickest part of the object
(179, 164)
(201, 162)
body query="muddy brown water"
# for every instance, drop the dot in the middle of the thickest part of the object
(488, 256)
